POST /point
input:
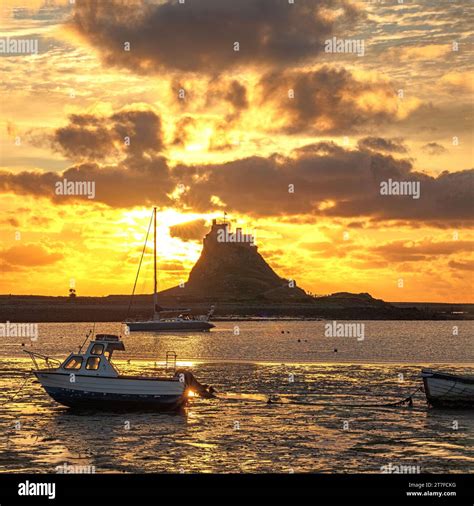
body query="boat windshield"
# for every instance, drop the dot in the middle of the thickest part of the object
(93, 363)
(97, 349)
(73, 363)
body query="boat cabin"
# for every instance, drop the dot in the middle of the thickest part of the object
(96, 360)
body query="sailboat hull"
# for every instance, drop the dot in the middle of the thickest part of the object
(170, 326)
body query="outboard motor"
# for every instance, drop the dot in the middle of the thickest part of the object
(205, 391)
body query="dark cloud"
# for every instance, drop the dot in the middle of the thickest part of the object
(462, 266)
(136, 181)
(434, 149)
(97, 137)
(200, 36)
(143, 128)
(381, 144)
(328, 100)
(330, 181)
(228, 92)
(438, 121)
(85, 139)
(237, 95)
(327, 181)
(190, 231)
(320, 148)
(182, 130)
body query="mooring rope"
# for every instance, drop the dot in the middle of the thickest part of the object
(276, 399)
(407, 400)
(25, 381)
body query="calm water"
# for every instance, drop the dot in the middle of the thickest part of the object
(240, 432)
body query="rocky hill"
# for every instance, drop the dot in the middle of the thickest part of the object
(230, 268)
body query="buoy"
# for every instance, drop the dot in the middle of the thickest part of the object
(335, 350)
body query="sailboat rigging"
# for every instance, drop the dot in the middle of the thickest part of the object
(163, 319)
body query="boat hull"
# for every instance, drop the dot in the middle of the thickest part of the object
(114, 402)
(101, 393)
(164, 326)
(448, 391)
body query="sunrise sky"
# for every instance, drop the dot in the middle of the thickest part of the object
(213, 129)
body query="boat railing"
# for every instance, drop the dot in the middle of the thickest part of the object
(51, 363)
(171, 358)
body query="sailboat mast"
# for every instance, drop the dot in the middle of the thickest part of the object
(155, 283)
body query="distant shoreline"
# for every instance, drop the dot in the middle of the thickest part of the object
(16, 308)
(4, 296)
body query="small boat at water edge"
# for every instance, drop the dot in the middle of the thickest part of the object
(444, 390)
(91, 381)
(167, 320)
(174, 325)
(164, 321)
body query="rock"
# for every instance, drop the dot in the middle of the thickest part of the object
(230, 270)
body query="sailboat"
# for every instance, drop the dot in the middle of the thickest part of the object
(165, 319)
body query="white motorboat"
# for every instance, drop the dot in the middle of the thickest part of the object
(446, 390)
(167, 320)
(90, 380)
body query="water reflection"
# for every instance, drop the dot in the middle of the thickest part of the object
(320, 425)
(325, 431)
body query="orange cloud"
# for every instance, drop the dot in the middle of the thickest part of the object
(29, 255)
(455, 80)
(427, 52)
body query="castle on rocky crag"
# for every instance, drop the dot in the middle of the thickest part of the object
(230, 268)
